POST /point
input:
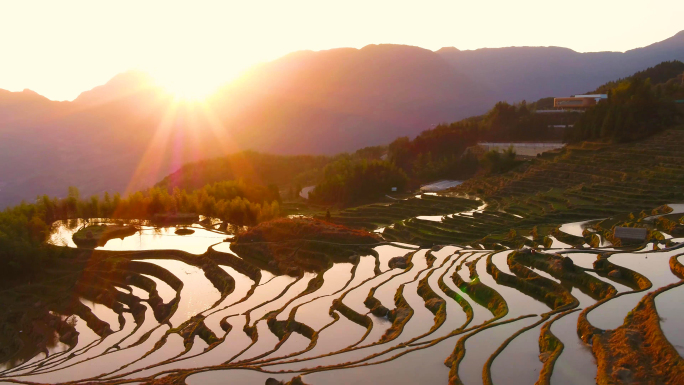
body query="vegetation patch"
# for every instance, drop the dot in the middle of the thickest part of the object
(399, 316)
(196, 327)
(98, 235)
(433, 302)
(620, 274)
(465, 305)
(349, 313)
(676, 267)
(567, 272)
(525, 280)
(637, 351)
(184, 231)
(482, 294)
(282, 328)
(302, 243)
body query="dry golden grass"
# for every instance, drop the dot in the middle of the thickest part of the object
(638, 352)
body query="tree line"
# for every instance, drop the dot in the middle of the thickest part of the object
(24, 228)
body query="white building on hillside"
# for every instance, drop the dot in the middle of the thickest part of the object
(524, 149)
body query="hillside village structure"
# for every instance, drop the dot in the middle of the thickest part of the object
(631, 233)
(578, 102)
(522, 149)
(439, 185)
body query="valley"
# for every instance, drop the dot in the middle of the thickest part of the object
(487, 287)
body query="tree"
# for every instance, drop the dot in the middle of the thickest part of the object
(348, 181)
(496, 162)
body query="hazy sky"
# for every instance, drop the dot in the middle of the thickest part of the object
(61, 48)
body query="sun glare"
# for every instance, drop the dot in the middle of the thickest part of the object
(188, 87)
(196, 83)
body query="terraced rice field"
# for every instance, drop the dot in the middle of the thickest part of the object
(493, 290)
(450, 314)
(586, 183)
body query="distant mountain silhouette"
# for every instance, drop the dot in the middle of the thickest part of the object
(120, 86)
(128, 133)
(531, 73)
(298, 103)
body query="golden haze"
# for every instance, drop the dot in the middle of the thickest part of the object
(60, 49)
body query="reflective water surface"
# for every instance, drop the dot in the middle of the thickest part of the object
(283, 325)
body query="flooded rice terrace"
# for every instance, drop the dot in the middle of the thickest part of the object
(182, 306)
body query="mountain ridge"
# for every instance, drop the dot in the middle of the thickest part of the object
(312, 102)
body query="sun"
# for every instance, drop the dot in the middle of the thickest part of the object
(196, 79)
(189, 88)
(187, 84)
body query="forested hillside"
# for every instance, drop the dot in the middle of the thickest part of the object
(637, 107)
(285, 171)
(438, 153)
(322, 102)
(584, 181)
(667, 74)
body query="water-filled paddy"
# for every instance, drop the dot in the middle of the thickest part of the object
(585, 260)
(576, 363)
(518, 303)
(198, 291)
(524, 351)
(147, 238)
(232, 326)
(481, 345)
(671, 309)
(654, 266)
